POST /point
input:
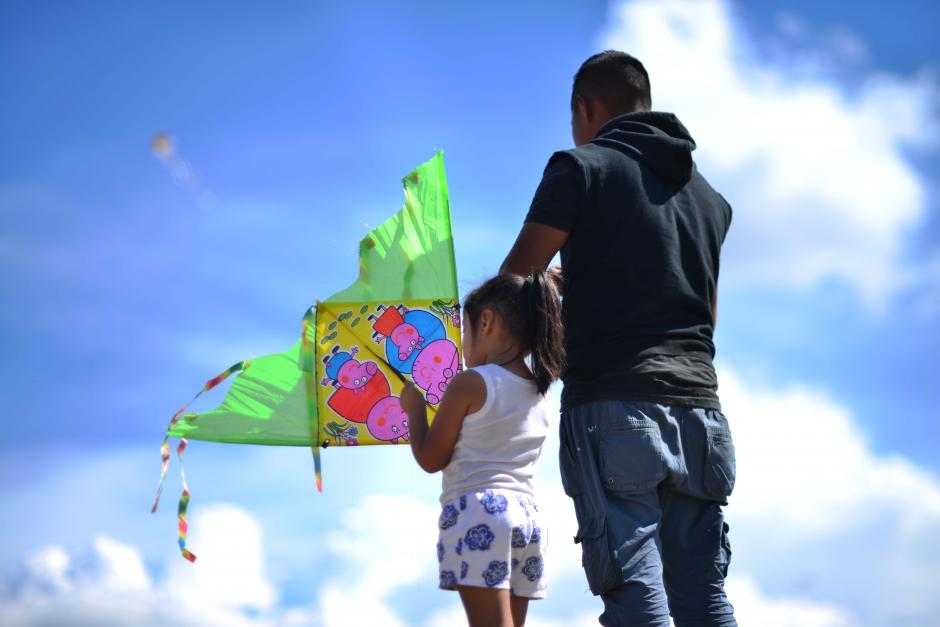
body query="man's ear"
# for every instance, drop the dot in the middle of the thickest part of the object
(586, 109)
(581, 107)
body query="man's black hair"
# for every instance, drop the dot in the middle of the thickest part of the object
(616, 79)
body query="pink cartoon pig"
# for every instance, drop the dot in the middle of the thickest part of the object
(354, 375)
(406, 338)
(434, 367)
(347, 372)
(391, 323)
(388, 421)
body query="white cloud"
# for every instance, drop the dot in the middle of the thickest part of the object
(385, 543)
(814, 170)
(447, 617)
(752, 607)
(109, 585)
(121, 567)
(229, 573)
(49, 568)
(825, 532)
(804, 464)
(384, 533)
(817, 514)
(582, 619)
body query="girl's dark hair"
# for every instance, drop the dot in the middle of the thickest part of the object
(531, 309)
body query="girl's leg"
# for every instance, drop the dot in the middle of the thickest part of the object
(487, 607)
(518, 606)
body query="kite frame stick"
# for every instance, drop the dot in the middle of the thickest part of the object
(309, 368)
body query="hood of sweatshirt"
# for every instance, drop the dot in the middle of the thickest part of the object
(658, 139)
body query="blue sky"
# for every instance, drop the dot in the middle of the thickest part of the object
(125, 288)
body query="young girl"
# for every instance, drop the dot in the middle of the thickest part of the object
(487, 435)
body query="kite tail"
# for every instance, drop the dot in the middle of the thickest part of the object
(165, 461)
(184, 504)
(165, 456)
(317, 469)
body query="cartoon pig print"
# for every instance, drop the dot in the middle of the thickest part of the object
(345, 371)
(391, 324)
(354, 375)
(388, 421)
(434, 367)
(407, 339)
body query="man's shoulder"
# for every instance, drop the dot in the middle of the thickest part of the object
(593, 164)
(588, 153)
(700, 187)
(591, 157)
(566, 167)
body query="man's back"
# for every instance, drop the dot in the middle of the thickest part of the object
(640, 263)
(645, 452)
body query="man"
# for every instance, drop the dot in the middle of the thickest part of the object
(646, 453)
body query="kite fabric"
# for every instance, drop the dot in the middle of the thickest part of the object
(339, 385)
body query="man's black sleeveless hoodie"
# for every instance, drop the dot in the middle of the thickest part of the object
(640, 263)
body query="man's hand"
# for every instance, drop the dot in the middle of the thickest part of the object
(554, 273)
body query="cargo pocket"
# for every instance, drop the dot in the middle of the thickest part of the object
(719, 463)
(580, 482)
(596, 557)
(632, 459)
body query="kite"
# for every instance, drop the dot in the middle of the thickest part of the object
(339, 384)
(163, 147)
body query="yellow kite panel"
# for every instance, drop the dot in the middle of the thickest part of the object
(364, 352)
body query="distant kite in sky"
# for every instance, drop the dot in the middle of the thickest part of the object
(339, 385)
(164, 148)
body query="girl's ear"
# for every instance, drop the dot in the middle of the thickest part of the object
(487, 322)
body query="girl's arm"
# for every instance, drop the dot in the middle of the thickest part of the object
(432, 446)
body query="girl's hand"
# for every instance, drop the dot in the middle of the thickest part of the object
(433, 446)
(412, 401)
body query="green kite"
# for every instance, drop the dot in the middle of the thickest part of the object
(339, 384)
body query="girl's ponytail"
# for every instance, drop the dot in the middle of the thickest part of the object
(531, 309)
(545, 331)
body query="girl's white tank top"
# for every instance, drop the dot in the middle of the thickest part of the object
(499, 444)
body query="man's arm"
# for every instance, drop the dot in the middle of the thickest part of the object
(534, 248)
(551, 217)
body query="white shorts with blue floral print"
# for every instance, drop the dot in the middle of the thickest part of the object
(492, 539)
